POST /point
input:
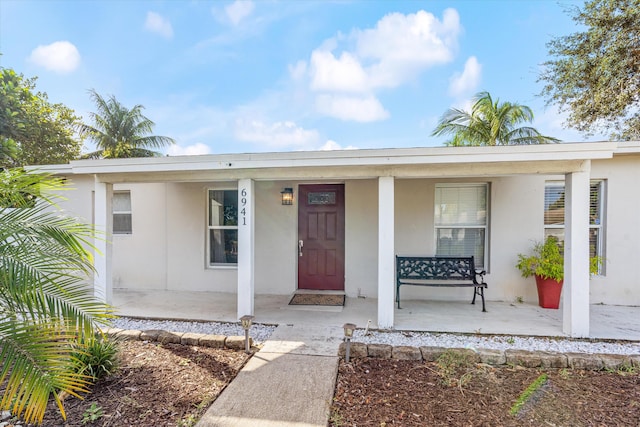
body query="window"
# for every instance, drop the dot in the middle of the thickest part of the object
(223, 227)
(461, 221)
(122, 212)
(554, 197)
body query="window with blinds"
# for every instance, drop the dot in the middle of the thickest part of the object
(461, 221)
(121, 208)
(554, 199)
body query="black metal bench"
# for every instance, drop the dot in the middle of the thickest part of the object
(439, 271)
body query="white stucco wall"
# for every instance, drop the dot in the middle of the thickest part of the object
(276, 239)
(167, 249)
(361, 238)
(620, 284)
(78, 198)
(139, 258)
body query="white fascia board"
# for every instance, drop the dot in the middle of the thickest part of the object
(627, 147)
(376, 157)
(52, 169)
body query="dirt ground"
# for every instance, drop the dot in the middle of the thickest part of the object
(156, 385)
(172, 385)
(376, 392)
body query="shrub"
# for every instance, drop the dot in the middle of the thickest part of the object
(96, 357)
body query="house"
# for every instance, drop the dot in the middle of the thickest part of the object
(274, 223)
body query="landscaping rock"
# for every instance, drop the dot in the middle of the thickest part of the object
(615, 361)
(215, 341)
(492, 356)
(467, 353)
(553, 360)
(528, 359)
(110, 332)
(129, 335)
(406, 352)
(358, 350)
(584, 361)
(431, 354)
(165, 337)
(236, 342)
(379, 351)
(190, 338)
(151, 334)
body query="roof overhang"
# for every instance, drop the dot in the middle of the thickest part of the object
(345, 164)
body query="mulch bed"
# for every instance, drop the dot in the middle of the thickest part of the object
(156, 385)
(376, 392)
(173, 384)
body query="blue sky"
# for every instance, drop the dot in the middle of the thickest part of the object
(255, 76)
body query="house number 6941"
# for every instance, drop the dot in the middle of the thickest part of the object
(243, 205)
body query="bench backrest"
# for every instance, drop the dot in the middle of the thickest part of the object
(435, 268)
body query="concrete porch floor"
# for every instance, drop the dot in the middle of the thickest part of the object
(607, 322)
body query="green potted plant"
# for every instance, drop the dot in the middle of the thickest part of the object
(546, 263)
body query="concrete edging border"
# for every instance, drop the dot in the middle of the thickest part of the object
(528, 359)
(186, 338)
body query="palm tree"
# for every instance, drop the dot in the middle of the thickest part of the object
(490, 123)
(46, 304)
(120, 132)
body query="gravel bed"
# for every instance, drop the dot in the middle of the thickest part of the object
(260, 333)
(499, 342)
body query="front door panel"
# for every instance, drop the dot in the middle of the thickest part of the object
(321, 237)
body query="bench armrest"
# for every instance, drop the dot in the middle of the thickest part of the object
(481, 273)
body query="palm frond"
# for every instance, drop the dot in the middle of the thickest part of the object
(36, 364)
(120, 132)
(490, 122)
(45, 299)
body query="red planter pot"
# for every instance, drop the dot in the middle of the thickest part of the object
(549, 291)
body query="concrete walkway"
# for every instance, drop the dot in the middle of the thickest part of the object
(288, 383)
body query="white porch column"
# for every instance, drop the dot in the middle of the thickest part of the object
(103, 220)
(246, 246)
(576, 254)
(386, 251)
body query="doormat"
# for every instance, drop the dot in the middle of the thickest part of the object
(317, 299)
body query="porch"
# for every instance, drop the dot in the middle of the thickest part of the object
(505, 318)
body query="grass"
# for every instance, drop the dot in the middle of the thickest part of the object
(528, 393)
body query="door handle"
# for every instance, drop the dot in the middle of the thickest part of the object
(300, 245)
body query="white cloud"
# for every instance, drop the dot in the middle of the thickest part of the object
(331, 145)
(284, 134)
(401, 46)
(238, 10)
(329, 73)
(155, 23)
(359, 109)
(60, 57)
(463, 83)
(190, 150)
(386, 56)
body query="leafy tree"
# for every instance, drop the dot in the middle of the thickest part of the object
(32, 130)
(121, 132)
(46, 305)
(490, 123)
(595, 73)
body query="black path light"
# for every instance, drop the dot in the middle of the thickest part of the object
(246, 321)
(348, 334)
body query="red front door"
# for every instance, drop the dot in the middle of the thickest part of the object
(321, 237)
